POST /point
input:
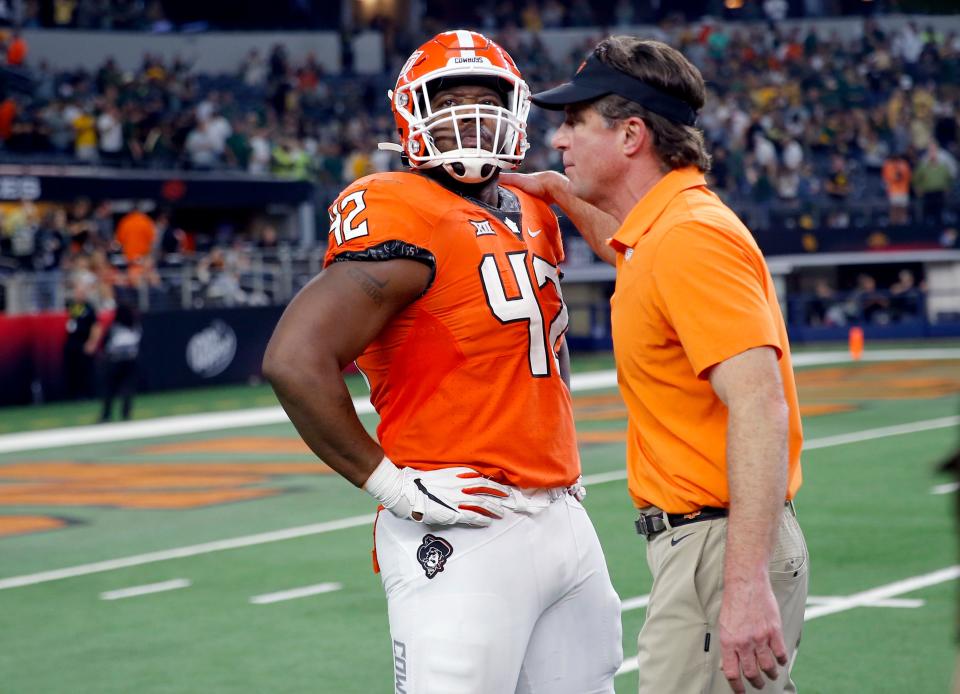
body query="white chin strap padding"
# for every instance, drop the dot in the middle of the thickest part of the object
(472, 169)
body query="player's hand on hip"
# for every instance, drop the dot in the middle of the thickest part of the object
(751, 634)
(546, 185)
(447, 496)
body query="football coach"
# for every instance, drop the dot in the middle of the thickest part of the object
(703, 364)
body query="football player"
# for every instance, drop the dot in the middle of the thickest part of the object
(444, 287)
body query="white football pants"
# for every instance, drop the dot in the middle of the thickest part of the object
(524, 606)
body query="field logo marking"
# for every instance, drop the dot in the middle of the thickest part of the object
(318, 528)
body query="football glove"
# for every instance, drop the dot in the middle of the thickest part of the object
(447, 496)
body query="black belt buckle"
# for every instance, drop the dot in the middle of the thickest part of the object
(650, 524)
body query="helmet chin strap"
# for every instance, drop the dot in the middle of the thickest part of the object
(470, 171)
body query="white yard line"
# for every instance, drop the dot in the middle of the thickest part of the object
(891, 590)
(148, 589)
(294, 593)
(945, 488)
(601, 477)
(643, 600)
(863, 599)
(354, 521)
(843, 357)
(215, 421)
(881, 432)
(904, 603)
(189, 551)
(634, 603)
(838, 440)
(150, 428)
(593, 380)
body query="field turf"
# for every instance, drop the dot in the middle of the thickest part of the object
(235, 513)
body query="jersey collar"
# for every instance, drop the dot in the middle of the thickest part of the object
(645, 213)
(509, 206)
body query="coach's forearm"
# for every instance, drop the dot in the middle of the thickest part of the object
(757, 453)
(318, 403)
(594, 225)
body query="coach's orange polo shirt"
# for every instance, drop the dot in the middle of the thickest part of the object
(692, 290)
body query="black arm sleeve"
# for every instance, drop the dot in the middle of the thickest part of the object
(394, 250)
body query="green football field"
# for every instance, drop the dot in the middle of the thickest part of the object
(212, 553)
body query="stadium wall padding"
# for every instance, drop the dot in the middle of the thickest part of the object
(180, 349)
(186, 349)
(191, 349)
(31, 348)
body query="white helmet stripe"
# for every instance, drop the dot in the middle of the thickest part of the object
(465, 39)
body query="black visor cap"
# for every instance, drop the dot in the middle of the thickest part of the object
(595, 79)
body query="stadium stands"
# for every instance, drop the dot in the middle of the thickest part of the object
(821, 139)
(794, 118)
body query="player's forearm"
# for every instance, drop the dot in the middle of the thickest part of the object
(593, 224)
(318, 403)
(757, 453)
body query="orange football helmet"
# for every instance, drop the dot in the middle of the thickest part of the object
(499, 132)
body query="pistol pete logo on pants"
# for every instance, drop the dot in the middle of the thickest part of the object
(433, 554)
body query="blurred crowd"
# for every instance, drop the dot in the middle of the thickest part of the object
(170, 15)
(116, 256)
(264, 120)
(124, 15)
(794, 120)
(902, 301)
(817, 128)
(798, 122)
(179, 15)
(536, 15)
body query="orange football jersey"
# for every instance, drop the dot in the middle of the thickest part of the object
(467, 374)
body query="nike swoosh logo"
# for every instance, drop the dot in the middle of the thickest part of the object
(534, 233)
(431, 496)
(675, 540)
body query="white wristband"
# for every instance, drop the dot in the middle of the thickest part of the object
(385, 483)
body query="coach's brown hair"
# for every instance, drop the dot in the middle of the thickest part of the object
(668, 70)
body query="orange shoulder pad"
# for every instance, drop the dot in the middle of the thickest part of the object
(378, 209)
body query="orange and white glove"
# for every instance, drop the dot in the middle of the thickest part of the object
(447, 496)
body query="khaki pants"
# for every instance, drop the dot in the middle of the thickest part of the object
(679, 645)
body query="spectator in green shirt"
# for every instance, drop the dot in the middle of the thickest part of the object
(238, 147)
(931, 180)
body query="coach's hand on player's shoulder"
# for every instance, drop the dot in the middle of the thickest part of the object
(751, 634)
(549, 186)
(447, 496)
